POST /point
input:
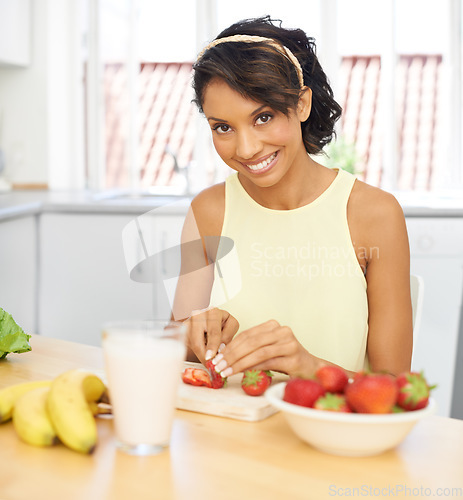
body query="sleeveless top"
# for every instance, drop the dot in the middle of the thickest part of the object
(298, 267)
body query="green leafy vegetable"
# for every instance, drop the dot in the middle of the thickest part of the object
(12, 336)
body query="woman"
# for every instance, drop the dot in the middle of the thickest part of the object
(307, 264)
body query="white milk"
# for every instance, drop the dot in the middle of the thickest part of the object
(143, 376)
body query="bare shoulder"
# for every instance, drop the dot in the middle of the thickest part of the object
(209, 209)
(373, 205)
(374, 215)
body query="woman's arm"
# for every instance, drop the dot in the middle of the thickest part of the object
(207, 328)
(378, 230)
(201, 229)
(196, 274)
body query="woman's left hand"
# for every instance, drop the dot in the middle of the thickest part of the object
(268, 346)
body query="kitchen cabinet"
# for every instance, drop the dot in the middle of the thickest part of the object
(152, 248)
(84, 277)
(168, 231)
(436, 246)
(18, 270)
(15, 28)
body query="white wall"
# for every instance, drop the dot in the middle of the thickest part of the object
(23, 107)
(15, 24)
(65, 106)
(42, 103)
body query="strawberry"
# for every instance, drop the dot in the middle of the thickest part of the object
(217, 380)
(332, 378)
(196, 376)
(187, 376)
(303, 392)
(413, 391)
(256, 382)
(202, 377)
(332, 402)
(372, 393)
(359, 375)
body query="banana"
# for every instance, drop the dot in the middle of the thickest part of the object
(9, 395)
(31, 420)
(68, 404)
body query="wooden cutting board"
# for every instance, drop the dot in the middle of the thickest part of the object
(230, 401)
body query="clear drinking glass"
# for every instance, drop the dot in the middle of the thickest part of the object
(143, 363)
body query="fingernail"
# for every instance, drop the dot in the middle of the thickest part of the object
(221, 365)
(221, 346)
(217, 359)
(227, 372)
(209, 355)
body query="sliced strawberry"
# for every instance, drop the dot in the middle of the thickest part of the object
(217, 380)
(414, 391)
(187, 376)
(196, 376)
(332, 378)
(332, 402)
(202, 378)
(256, 382)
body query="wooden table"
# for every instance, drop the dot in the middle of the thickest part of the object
(216, 458)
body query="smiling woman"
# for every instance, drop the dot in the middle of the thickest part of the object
(269, 104)
(272, 70)
(252, 138)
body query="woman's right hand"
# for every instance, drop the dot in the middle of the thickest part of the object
(207, 330)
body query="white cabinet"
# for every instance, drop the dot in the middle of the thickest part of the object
(84, 277)
(168, 229)
(15, 27)
(436, 246)
(18, 250)
(84, 280)
(152, 246)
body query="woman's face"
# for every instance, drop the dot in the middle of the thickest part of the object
(253, 139)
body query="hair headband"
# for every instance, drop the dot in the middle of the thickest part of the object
(254, 38)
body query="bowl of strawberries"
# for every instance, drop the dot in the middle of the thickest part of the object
(365, 415)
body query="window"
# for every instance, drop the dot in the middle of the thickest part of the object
(393, 88)
(141, 123)
(395, 68)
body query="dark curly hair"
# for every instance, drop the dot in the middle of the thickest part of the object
(260, 72)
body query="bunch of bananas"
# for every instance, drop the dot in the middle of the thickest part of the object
(63, 409)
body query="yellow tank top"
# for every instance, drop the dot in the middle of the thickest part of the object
(298, 267)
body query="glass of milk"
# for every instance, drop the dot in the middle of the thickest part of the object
(143, 364)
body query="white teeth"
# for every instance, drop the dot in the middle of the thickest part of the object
(262, 164)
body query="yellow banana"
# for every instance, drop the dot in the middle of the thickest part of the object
(69, 408)
(10, 394)
(31, 420)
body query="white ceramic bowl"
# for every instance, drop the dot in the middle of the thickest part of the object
(348, 434)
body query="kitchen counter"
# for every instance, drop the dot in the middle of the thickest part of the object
(22, 203)
(18, 203)
(443, 204)
(215, 457)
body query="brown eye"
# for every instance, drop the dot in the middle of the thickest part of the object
(264, 118)
(221, 128)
